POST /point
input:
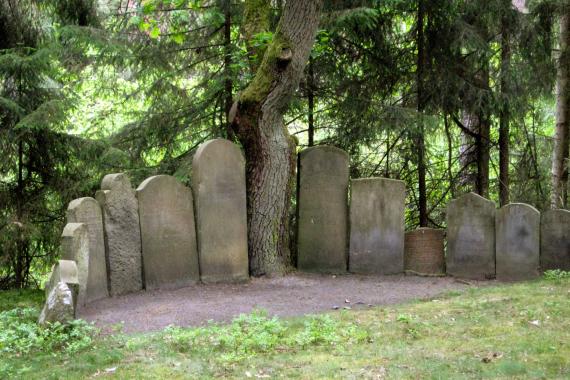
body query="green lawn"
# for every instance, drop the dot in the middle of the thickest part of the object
(506, 331)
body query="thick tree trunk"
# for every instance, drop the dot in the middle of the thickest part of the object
(504, 114)
(270, 155)
(561, 136)
(419, 138)
(228, 84)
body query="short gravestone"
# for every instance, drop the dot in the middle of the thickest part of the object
(218, 182)
(168, 233)
(322, 210)
(518, 242)
(377, 226)
(61, 293)
(88, 211)
(555, 240)
(75, 246)
(471, 237)
(63, 271)
(424, 253)
(122, 234)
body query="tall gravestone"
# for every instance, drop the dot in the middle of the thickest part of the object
(168, 233)
(518, 242)
(555, 240)
(218, 182)
(471, 237)
(122, 234)
(75, 247)
(377, 226)
(322, 210)
(88, 211)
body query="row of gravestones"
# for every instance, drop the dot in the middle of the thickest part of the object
(511, 243)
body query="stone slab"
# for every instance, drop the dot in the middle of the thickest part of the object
(377, 226)
(88, 211)
(75, 247)
(168, 233)
(555, 240)
(59, 305)
(424, 252)
(218, 182)
(518, 242)
(322, 239)
(122, 234)
(471, 237)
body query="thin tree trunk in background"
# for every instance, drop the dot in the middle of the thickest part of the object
(483, 141)
(450, 177)
(311, 101)
(419, 135)
(228, 85)
(561, 134)
(269, 149)
(504, 114)
(20, 247)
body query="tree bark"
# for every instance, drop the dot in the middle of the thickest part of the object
(561, 134)
(419, 135)
(228, 84)
(504, 115)
(311, 101)
(269, 149)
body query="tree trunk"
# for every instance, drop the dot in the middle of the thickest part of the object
(228, 84)
(561, 138)
(504, 114)
(269, 149)
(419, 135)
(311, 100)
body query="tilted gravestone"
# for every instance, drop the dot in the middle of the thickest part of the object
(377, 226)
(75, 246)
(555, 240)
(471, 237)
(122, 234)
(322, 210)
(218, 182)
(61, 293)
(88, 211)
(168, 233)
(518, 242)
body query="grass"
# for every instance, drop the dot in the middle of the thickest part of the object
(505, 331)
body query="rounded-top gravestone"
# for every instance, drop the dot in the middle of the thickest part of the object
(518, 242)
(122, 234)
(218, 182)
(555, 240)
(88, 211)
(471, 237)
(323, 210)
(168, 233)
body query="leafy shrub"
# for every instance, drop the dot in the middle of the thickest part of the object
(556, 275)
(20, 334)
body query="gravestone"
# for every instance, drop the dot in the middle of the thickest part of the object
(424, 253)
(218, 182)
(122, 234)
(61, 293)
(518, 242)
(168, 233)
(88, 211)
(471, 237)
(555, 240)
(75, 246)
(377, 226)
(322, 210)
(63, 271)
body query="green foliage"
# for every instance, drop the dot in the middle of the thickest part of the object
(557, 275)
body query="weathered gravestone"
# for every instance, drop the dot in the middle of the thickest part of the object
(218, 182)
(471, 237)
(377, 226)
(518, 242)
(122, 234)
(61, 291)
(88, 211)
(168, 233)
(555, 240)
(75, 246)
(424, 254)
(323, 210)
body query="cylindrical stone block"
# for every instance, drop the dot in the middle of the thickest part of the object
(423, 251)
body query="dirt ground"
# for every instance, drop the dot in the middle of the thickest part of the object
(292, 295)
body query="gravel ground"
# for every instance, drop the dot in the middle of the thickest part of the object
(291, 295)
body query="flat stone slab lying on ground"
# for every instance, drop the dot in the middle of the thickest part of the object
(168, 233)
(293, 295)
(471, 237)
(323, 210)
(122, 234)
(75, 247)
(218, 182)
(518, 242)
(555, 240)
(88, 211)
(377, 226)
